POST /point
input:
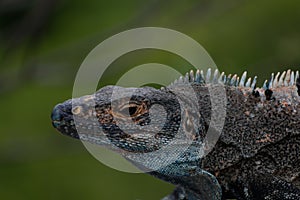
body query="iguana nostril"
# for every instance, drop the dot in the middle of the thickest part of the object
(76, 110)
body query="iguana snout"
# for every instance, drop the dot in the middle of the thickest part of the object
(63, 120)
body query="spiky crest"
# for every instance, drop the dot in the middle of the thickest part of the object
(284, 79)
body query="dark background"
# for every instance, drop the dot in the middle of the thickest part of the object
(42, 44)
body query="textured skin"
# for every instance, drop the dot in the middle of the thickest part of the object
(260, 138)
(256, 156)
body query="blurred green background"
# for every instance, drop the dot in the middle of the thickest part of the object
(42, 44)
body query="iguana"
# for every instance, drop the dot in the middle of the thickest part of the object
(255, 156)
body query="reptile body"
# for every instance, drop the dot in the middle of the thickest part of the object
(255, 156)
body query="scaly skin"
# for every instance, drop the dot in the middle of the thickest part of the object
(255, 157)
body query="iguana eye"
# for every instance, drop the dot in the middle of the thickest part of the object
(129, 110)
(132, 110)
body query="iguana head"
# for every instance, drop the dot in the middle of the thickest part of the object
(132, 119)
